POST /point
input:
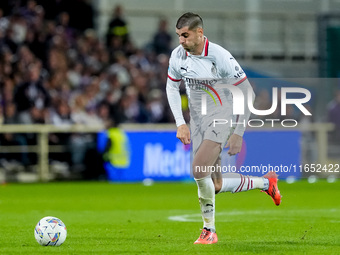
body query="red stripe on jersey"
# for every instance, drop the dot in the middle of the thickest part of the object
(206, 47)
(251, 183)
(237, 83)
(248, 183)
(175, 80)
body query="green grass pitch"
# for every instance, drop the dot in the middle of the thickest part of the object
(104, 218)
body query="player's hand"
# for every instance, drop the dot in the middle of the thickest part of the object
(235, 144)
(183, 134)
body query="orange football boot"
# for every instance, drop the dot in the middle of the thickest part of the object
(207, 237)
(273, 190)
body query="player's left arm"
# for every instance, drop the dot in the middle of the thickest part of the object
(235, 140)
(236, 76)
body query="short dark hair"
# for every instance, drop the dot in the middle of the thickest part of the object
(192, 20)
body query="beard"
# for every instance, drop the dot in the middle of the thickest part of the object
(191, 49)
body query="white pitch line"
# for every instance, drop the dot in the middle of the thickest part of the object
(192, 217)
(196, 217)
(184, 218)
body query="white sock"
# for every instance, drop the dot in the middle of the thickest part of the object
(233, 182)
(206, 195)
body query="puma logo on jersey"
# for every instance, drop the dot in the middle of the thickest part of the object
(185, 69)
(214, 132)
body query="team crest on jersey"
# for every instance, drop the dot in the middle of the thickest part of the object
(213, 68)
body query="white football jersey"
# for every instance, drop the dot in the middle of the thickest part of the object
(201, 73)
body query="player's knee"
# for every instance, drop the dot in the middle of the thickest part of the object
(200, 174)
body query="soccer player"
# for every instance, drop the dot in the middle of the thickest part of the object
(202, 65)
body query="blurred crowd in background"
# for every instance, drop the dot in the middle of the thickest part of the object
(55, 70)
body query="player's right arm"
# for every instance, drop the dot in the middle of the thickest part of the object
(175, 102)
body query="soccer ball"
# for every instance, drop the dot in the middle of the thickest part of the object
(50, 231)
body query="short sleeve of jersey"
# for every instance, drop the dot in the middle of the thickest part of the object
(173, 73)
(232, 69)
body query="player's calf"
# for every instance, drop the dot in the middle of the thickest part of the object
(234, 182)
